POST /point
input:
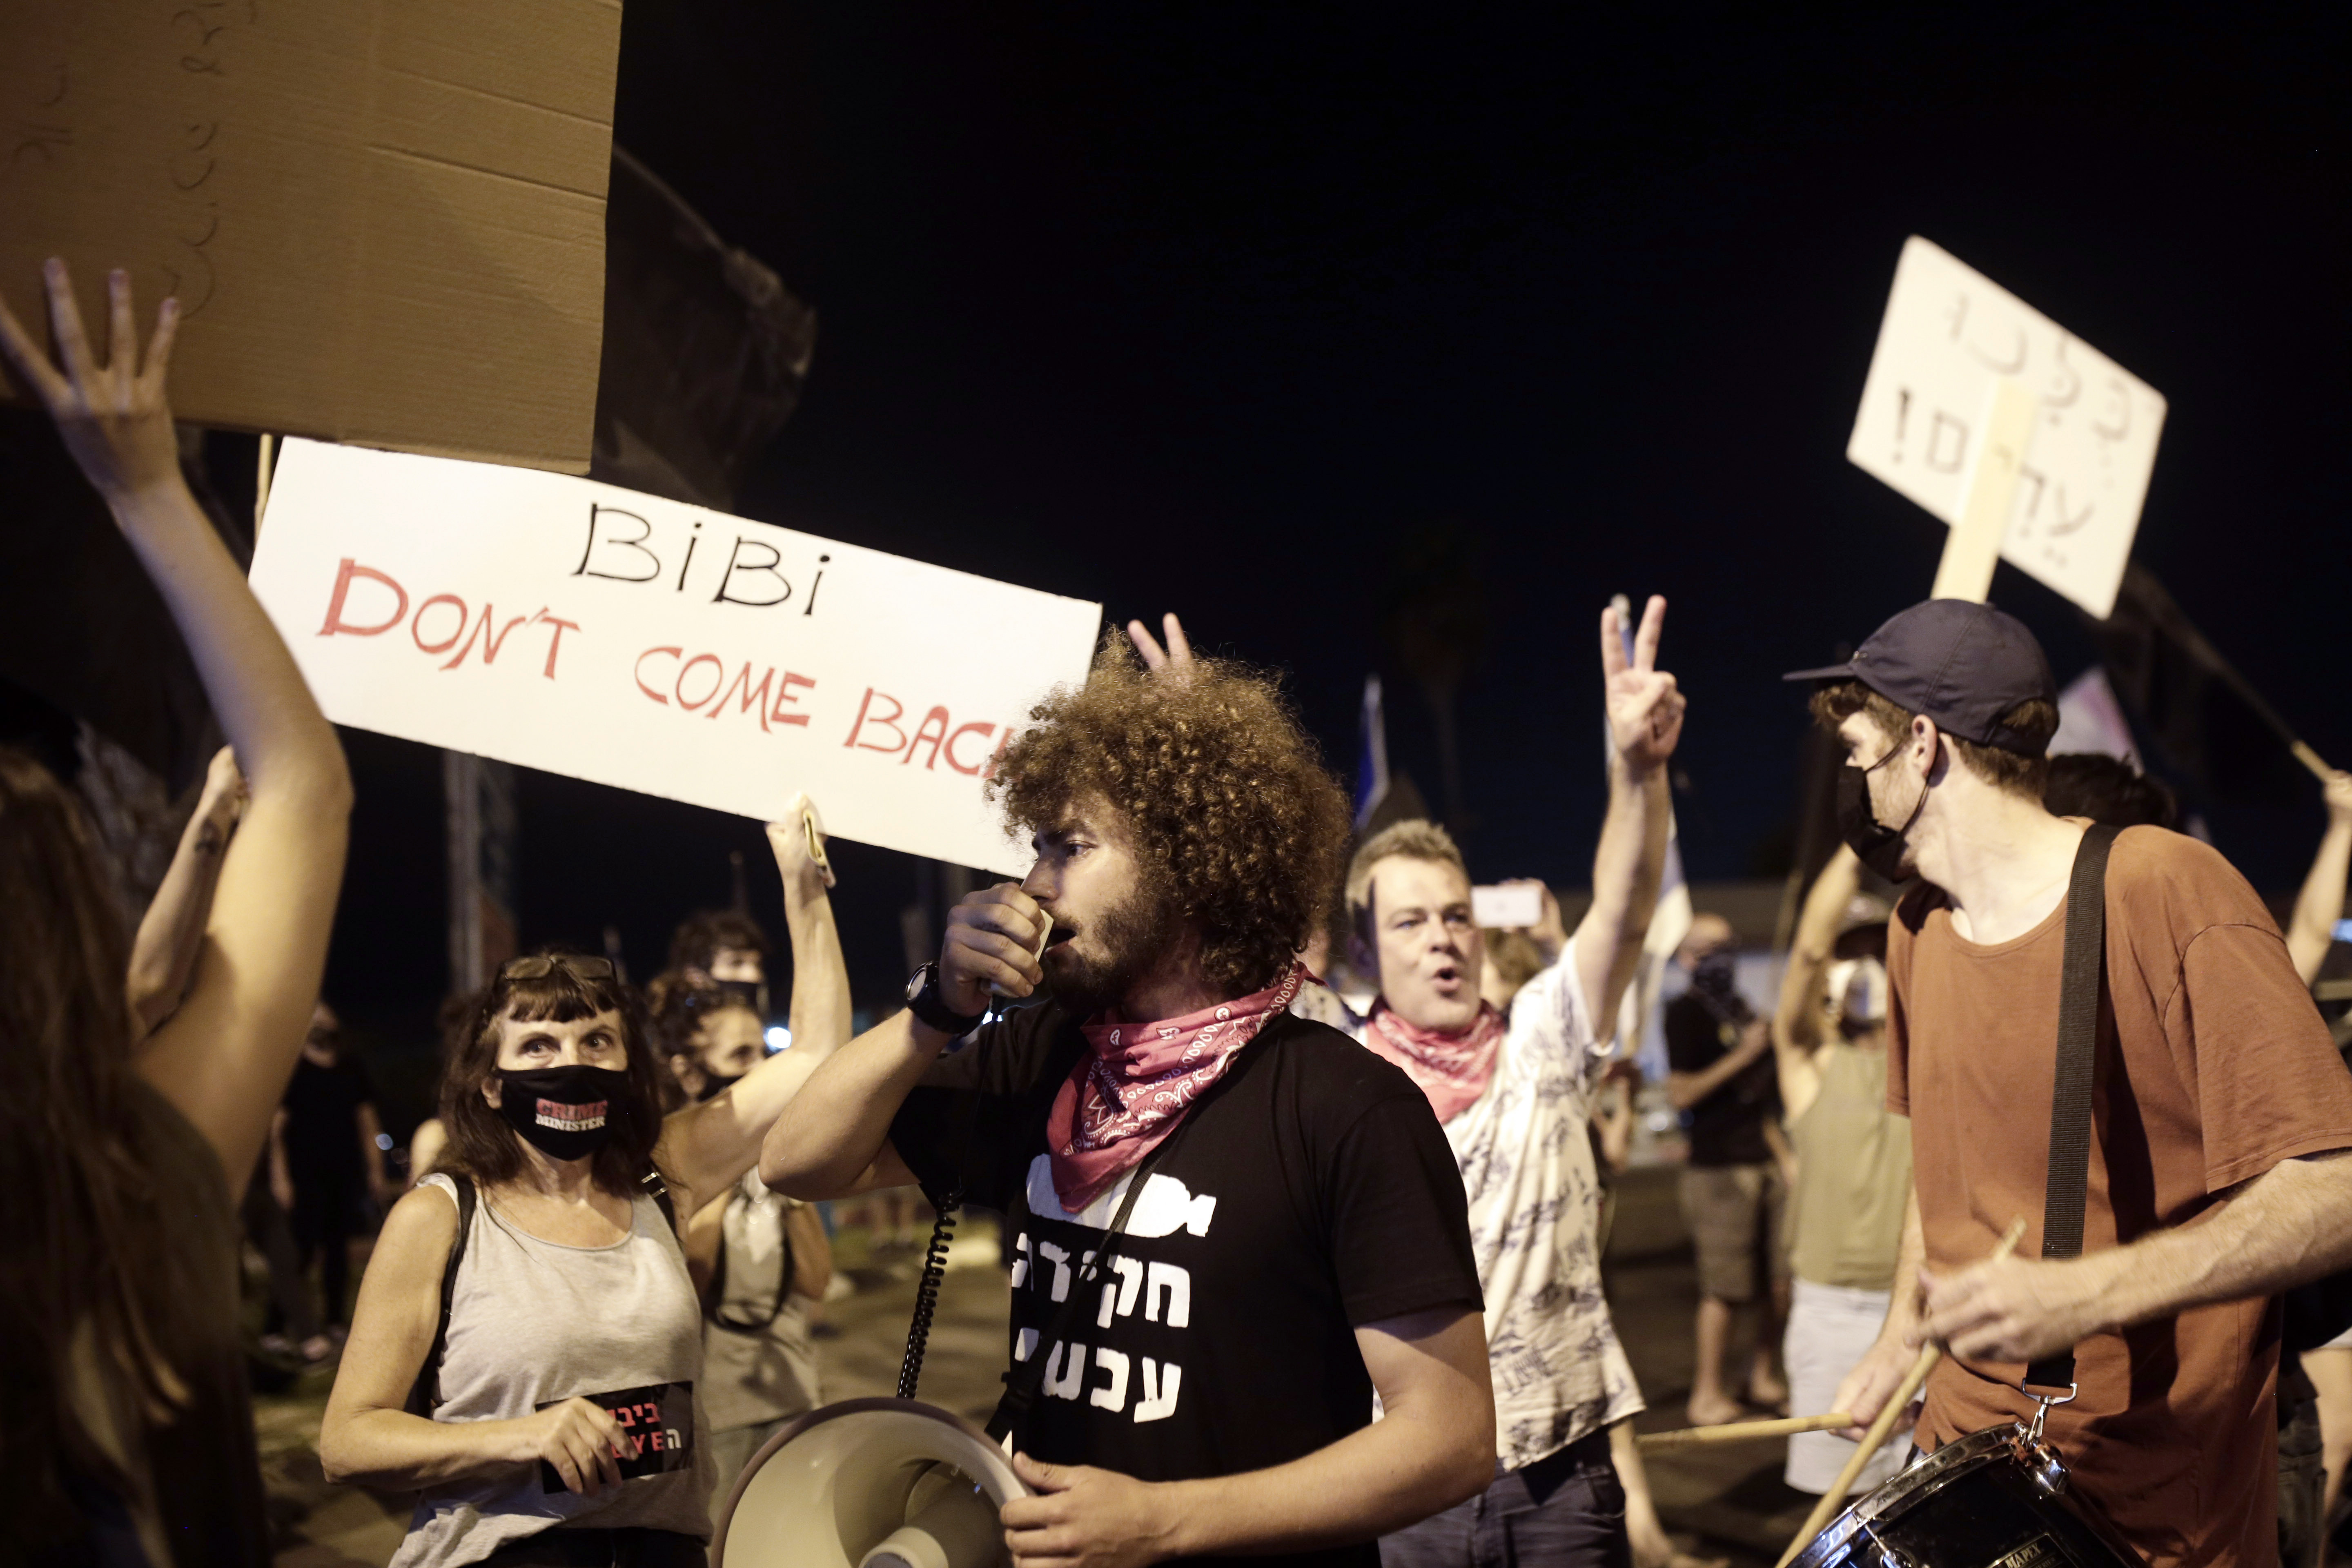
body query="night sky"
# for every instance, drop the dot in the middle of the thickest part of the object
(1254, 312)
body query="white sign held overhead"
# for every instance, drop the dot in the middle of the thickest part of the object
(571, 626)
(1950, 338)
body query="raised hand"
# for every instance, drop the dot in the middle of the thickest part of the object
(2338, 793)
(114, 415)
(1175, 659)
(797, 840)
(1646, 710)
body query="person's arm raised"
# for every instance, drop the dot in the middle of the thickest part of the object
(834, 1138)
(1796, 1021)
(1646, 724)
(369, 1436)
(820, 1015)
(2312, 929)
(224, 1057)
(1432, 1447)
(707, 1147)
(163, 955)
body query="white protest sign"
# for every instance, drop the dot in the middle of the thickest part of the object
(583, 629)
(1949, 337)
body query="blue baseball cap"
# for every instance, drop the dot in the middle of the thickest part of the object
(1961, 663)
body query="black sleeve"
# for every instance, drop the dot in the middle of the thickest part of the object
(970, 1121)
(1693, 1040)
(1400, 1223)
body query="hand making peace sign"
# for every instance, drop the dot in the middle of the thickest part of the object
(1646, 710)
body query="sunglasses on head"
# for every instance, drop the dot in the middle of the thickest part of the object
(539, 966)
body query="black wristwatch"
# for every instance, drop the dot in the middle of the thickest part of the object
(923, 1001)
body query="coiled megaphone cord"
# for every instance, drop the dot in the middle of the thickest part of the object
(927, 1294)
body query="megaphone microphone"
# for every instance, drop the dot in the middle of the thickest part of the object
(869, 1483)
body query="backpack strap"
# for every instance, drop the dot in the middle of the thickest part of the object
(2083, 978)
(424, 1395)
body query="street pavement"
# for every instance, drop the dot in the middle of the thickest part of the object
(1726, 1502)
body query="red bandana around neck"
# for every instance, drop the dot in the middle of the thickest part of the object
(1452, 1069)
(1129, 1091)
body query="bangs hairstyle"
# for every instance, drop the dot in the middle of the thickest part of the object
(481, 1144)
(98, 1178)
(1413, 839)
(1236, 822)
(2012, 772)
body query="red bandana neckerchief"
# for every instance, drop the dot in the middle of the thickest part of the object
(1452, 1069)
(1129, 1092)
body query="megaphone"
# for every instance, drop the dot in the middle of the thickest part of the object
(869, 1483)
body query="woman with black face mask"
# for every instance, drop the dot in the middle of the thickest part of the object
(540, 1395)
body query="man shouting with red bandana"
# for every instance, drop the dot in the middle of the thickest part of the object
(1230, 1227)
(1514, 1095)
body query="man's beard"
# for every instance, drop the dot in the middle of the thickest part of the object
(1133, 936)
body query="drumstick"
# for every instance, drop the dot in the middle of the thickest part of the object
(1873, 1440)
(1743, 1431)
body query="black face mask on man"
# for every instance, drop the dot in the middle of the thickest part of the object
(565, 1112)
(1877, 846)
(715, 1084)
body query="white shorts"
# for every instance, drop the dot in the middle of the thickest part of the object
(1830, 1329)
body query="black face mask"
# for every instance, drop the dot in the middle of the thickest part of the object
(1879, 846)
(565, 1112)
(713, 1085)
(1715, 974)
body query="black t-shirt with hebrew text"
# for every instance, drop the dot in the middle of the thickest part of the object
(1311, 1192)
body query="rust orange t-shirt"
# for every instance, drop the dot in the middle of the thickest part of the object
(2212, 1067)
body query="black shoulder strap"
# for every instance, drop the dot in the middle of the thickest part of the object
(2069, 1102)
(1023, 1379)
(424, 1395)
(659, 1190)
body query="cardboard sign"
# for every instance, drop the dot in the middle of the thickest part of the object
(385, 219)
(587, 630)
(1949, 337)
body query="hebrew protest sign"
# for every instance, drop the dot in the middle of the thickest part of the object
(587, 630)
(1950, 338)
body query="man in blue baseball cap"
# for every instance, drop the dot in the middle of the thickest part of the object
(2220, 1114)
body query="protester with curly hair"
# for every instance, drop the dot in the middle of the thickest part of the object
(1290, 1231)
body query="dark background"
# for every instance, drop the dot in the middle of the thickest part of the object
(1261, 312)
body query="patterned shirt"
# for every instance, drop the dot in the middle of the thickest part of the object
(1535, 1205)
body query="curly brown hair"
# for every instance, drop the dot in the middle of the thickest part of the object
(1235, 819)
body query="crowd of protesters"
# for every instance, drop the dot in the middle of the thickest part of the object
(1379, 1176)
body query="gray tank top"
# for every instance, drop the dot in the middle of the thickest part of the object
(535, 1321)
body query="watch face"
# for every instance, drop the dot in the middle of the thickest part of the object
(915, 984)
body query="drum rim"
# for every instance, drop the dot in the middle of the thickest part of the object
(1955, 1458)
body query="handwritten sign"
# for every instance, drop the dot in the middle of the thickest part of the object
(1949, 337)
(583, 629)
(384, 223)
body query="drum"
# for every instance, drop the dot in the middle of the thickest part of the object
(1995, 1499)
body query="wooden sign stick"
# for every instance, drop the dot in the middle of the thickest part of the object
(1972, 548)
(1876, 1438)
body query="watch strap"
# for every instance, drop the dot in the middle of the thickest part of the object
(926, 1003)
